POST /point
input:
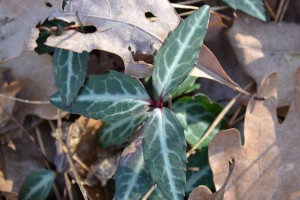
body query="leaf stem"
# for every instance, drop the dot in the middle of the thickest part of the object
(23, 100)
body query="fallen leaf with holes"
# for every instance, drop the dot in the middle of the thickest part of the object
(36, 71)
(267, 166)
(17, 22)
(135, 27)
(265, 48)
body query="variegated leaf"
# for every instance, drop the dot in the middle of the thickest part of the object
(37, 185)
(178, 55)
(254, 8)
(117, 132)
(132, 179)
(69, 69)
(108, 97)
(196, 115)
(164, 152)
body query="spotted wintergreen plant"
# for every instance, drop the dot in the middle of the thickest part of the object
(123, 103)
(37, 185)
(254, 8)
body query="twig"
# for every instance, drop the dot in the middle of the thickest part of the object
(190, 2)
(216, 122)
(270, 9)
(68, 186)
(76, 176)
(235, 115)
(63, 148)
(42, 146)
(23, 100)
(83, 165)
(283, 10)
(175, 5)
(212, 9)
(147, 195)
(279, 10)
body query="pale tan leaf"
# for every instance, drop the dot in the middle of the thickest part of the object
(267, 165)
(209, 67)
(262, 48)
(122, 26)
(17, 22)
(36, 71)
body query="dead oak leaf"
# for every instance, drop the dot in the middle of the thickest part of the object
(264, 48)
(124, 28)
(267, 165)
(36, 71)
(17, 22)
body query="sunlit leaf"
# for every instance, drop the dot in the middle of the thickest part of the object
(164, 152)
(108, 97)
(69, 69)
(178, 55)
(254, 8)
(37, 185)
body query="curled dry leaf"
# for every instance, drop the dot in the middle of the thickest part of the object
(36, 71)
(267, 165)
(17, 22)
(265, 48)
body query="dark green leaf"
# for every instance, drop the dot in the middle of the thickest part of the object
(117, 132)
(43, 35)
(108, 97)
(178, 55)
(164, 152)
(196, 115)
(69, 69)
(37, 185)
(188, 85)
(254, 8)
(203, 176)
(132, 180)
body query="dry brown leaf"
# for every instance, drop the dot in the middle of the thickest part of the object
(267, 165)
(8, 89)
(122, 26)
(17, 22)
(125, 25)
(262, 49)
(36, 71)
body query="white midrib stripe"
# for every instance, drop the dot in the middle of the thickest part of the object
(108, 97)
(178, 57)
(70, 72)
(163, 144)
(41, 184)
(133, 181)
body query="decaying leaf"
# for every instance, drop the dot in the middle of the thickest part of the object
(36, 71)
(262, 49)
(17, 22)
(6, 105)
(121, 23)
(267, 165)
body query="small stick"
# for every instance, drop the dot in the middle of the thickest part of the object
(175, 5)
(190, 2)
(279, 10)
(216, 122)
(235, 115)
(147, 195)
(270, 9)
(68, 186)
(23, 100)
(284, 9)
